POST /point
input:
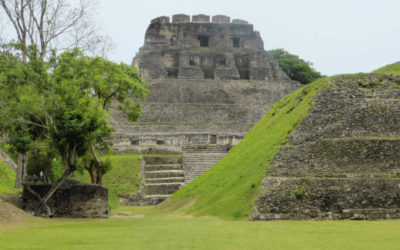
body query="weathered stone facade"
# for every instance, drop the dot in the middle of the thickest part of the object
(73, 199)
(200, 94)
(200, 49)
(343, 162)
(210, 82)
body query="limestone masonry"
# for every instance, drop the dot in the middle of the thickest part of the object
(210, 81)
(343, 162)
(72, 199)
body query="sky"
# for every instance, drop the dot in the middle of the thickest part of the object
(337, 36)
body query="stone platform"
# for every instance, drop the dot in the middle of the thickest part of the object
(343, 162)
(72, 200)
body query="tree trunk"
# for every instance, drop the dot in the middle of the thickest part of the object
(89, 168)
(49, 194)
(98, 166)
(21, 169)
(99, 175)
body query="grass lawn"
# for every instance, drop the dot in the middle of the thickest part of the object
(157, 230)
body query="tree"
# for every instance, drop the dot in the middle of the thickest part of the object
(64, 101)
(296, 68)
(21, 115)
(106, 81)
(54, 23)
(49, 24)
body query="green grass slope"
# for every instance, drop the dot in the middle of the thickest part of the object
(7, 179)
(393, 68)
(228, 189)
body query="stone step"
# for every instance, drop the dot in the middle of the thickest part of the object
(163, 174)
(163, 167)
(306, 198)
(162, 189)
(210, 160)
(202, 154)
(338, 156)
(210, 148)
(150, 160)
(203, 157)
(164, 180)
(348, 214)
(145, 200)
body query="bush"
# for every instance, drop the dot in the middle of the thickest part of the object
(296, 68)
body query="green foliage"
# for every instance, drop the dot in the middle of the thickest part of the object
(21, 113)
(296, 68)
(393, 68)
(63, 100)
(229, 187)
(44, 158)
(7, 179)
(301, 193)
(123, 178)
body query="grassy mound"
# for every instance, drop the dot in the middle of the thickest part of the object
(10, 213)
(123, 178)
(7, 179)
(228, 189)
(393, 68)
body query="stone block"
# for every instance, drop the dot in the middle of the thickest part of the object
(190, 72)
(180, 18)
(239, 21)
(161, 19)
(200, 18)
(226, 73)
(221, 19)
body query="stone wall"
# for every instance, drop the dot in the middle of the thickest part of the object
(178, 112)
(343, 161)
(201, 49)
(72, 200)
(210, 82)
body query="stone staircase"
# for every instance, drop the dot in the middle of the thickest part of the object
(198, 159)
(161, 176)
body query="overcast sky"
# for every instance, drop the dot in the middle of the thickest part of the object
(338, 36)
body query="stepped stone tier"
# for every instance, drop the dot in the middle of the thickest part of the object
(210, 81)
(343, 162)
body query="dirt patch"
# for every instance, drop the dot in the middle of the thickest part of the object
(10, 213)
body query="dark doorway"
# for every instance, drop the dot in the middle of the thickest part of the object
(244, 74)
(213, 139)
(236, 42)
(172, 73)
(203, 41)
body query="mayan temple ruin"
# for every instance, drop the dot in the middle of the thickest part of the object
(210, 81)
